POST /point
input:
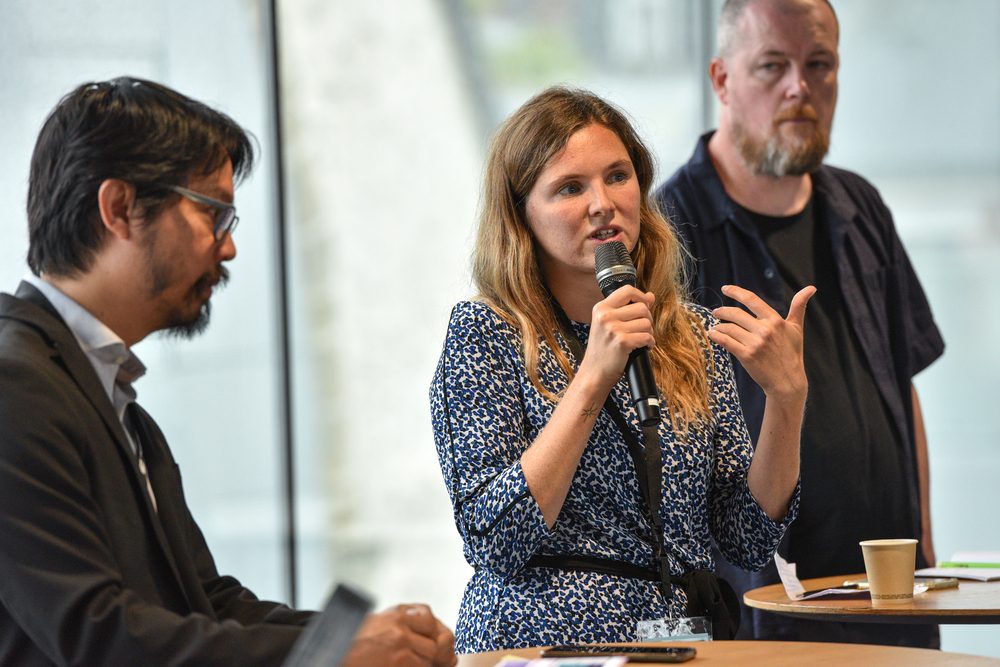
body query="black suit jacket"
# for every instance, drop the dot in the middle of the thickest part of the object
(90, 573)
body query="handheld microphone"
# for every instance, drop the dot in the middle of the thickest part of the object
(614, 268)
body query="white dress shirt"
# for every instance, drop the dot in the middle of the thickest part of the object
(117, 367)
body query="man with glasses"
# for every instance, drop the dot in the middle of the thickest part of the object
(130, 222)
(225, 216)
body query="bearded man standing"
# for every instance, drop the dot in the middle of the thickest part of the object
(756, 207)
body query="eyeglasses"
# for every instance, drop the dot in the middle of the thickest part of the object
(225, 220)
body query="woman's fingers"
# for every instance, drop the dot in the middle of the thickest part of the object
(797, 309)
(756, 304)
(767, 345)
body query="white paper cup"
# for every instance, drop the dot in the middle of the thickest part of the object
(890, 565)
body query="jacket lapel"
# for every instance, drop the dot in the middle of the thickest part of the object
(32, 309)
(66, 350)
(169, 526)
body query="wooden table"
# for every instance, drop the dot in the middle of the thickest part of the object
(971, 602)
(781, 654)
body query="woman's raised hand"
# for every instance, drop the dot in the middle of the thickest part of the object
(768, 346)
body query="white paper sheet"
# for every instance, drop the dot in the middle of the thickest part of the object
(796, 591)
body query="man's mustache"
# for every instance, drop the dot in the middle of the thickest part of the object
(800, 112)
(219, 279)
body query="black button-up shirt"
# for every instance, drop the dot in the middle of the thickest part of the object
(888, 310)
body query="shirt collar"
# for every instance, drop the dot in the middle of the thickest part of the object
(113, 361)
(720, 208)
(830, 190)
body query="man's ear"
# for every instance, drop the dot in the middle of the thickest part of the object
(116, 203)
(719, 77)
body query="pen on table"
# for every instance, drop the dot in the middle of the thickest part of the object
(852, 585)
(948, 563)
(930, 582)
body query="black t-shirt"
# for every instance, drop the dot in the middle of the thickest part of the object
(852, 456)
(885, 308)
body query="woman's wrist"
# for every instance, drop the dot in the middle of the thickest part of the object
(791, 397)
(592, 385)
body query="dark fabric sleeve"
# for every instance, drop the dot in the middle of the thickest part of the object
(927, 343)
(228, 598)
(61, 581)
(233, 601)
(915, 340)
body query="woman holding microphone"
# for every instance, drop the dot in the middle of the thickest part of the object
(538, 440)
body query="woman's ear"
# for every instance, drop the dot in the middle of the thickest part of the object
(116, 204)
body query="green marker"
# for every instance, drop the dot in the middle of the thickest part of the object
(970, 565)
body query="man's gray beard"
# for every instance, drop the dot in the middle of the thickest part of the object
(772, 159)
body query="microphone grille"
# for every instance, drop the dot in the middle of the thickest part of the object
(610, 254)
(613, 266)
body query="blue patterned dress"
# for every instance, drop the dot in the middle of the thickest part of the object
(486, 412)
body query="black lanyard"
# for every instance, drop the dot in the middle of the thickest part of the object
(706, 593)
(645, 457)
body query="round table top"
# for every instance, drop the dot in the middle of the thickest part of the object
(781, 654)
(971, 602)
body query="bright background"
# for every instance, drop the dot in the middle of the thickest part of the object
(387, 108)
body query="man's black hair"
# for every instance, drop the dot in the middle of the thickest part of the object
(130, 129)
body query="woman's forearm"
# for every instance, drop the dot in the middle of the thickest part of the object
(770, 349)
(774, 471)
(550, 463)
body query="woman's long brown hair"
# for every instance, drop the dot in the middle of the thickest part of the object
(505, 264)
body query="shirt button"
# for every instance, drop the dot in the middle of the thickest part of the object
(119, 360)
(769, 273)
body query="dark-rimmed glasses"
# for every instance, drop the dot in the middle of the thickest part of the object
(225, 220)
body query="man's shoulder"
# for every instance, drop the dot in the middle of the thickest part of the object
(848, 192)
(30, 307)
(25, 326)
(854, 201)
(39, 402)
(14, 307)
(686, 180)
(30, 341)
(676, 189)
(851, 181)
(21, 321)
(693, 196)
